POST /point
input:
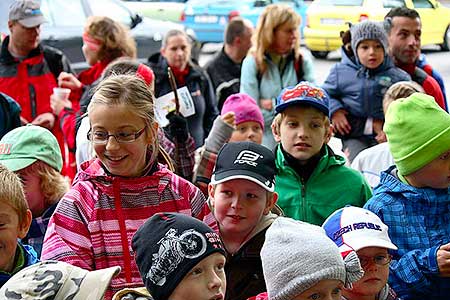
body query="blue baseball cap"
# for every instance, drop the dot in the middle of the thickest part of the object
(303, 93)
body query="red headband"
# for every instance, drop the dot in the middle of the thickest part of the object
(92, 43)
(145, 73)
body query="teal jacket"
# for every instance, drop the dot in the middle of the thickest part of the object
(331, 186)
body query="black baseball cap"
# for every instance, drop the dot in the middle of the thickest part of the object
(245, 160)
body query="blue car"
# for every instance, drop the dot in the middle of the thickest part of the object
(209, 18)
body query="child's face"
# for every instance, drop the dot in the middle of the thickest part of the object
(121, 159)
(375, 276)
(10, 231)
(33, 193)
(435, 175)
(370, 53)
(239, 205)
(205, 281)
(303, 131)
(247, 131)
(327, 289)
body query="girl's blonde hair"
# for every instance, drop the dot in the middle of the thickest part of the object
(132, 92)
(52, 183)
(274, 16)
(115, 38)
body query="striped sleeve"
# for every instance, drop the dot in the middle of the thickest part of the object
(67, 238)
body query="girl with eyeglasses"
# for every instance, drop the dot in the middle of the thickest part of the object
(357, 229)
(115, 193)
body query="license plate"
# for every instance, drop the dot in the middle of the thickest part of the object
(205, 19)
(331, 21)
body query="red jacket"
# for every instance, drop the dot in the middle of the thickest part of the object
(31, 81)
(429, 84)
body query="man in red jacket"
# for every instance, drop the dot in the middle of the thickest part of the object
(404, 29)
(29, 71)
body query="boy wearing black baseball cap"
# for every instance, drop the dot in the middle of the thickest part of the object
(242, 198)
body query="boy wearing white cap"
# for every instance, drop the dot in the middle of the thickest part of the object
(413, 197)
(353, 228)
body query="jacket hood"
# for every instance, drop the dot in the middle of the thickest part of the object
(355, 64)
(390, 184)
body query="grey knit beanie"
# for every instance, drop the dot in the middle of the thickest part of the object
(368, 30)
(297, 255)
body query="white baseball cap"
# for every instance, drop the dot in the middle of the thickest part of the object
(354, 228)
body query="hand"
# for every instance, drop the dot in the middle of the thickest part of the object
(377, 127)
(266, 104)
(443, 260)
(58, 105)
(46, 120)
(23, 121)
(229, 118)
(178, 127)
(340, 122)
(69, 81)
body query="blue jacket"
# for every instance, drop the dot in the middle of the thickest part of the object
(27, 258)
(422, 63)
(419, 223)
(359, 90)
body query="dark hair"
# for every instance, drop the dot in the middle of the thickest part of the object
(399, 12)
(235, 28)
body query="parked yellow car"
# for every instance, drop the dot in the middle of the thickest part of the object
(327, 18)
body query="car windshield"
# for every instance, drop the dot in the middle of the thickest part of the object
(63, 12)
(114, 10)
(340, 2)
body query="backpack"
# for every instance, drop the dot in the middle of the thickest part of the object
(9, 114)
(298, 66)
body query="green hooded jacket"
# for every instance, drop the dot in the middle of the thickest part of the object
(331, 186)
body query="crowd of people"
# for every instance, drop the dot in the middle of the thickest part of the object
(275, 188)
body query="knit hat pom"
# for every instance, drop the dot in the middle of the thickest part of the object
(353, 269)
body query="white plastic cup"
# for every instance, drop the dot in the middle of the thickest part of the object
(61, 93)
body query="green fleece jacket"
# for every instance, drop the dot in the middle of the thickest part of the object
(331, 186)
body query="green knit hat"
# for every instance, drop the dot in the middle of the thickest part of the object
(417, 130)
(24, 145)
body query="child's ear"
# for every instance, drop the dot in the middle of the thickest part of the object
(25, 226)
(211, 194)
(275, 132)
(328, 133)
(154, 132)
(270, 203)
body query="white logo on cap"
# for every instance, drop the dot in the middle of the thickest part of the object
(248, 157)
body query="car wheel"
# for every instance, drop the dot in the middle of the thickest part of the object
(320, 54)
(445, 46)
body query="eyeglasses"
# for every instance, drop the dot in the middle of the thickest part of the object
(380, 260)
(102, 137)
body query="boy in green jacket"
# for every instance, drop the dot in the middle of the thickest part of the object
(312, 182)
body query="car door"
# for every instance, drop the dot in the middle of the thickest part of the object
(433, 23)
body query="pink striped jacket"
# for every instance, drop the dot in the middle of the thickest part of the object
(94, 222)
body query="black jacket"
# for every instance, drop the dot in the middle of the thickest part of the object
(198, 83)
